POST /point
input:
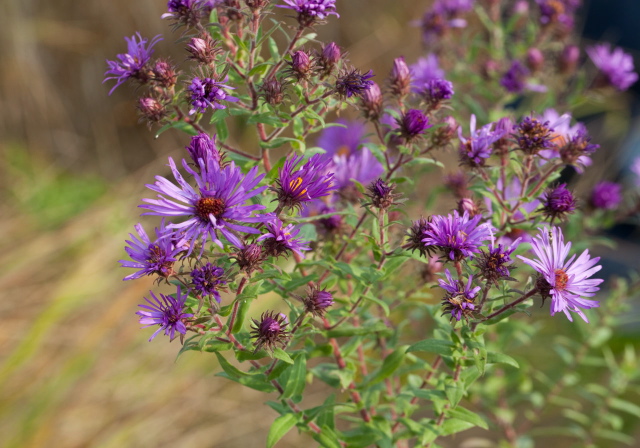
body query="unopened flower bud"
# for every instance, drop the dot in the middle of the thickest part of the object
(400, 77)
(416, 234)
(270, 331)
(535, 59)
(164, 74)
(435, 91)
(558, 202)
(272, 91)
(249, 258)
(202, 147)
(568, 61)
(468, 205)
(329, 58)
(381, 194)
(413, 123)
(151, 110)
(317, 301)
(203, 49)
(606, 195)
(300, 65)
(442, 135)
(372, 102)
(256, 4)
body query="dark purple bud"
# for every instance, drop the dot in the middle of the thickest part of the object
(372, 102)
(202, 147)
(606, 195)
(416, 234)
(413, 123)
(164, 74)
(381, 194)
(151, 110)
(400, 78)
(558, 202)
(272, 91)
(300, 64)
(436, 91)
(250, 258)
(535, 59)
(203, 49)
(442, 135)
(270, 331)
(331, 54)
(353, 83)
(568, 61)
(514, 80)
(317, 301)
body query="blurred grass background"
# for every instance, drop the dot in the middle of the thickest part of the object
(75, 369)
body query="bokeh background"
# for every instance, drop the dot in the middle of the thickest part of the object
(75, 370)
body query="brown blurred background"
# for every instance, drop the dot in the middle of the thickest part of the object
(75, 369)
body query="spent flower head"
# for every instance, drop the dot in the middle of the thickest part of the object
(209, 280)
(459, 298)
(280, 239)
(351, 82)
(270, 331)
(317, 300)
(134, 63)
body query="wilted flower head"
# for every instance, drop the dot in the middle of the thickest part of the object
(311, 11)
(415, 235)
(616, 66)
(468, 205)
(207, 93)
(270, 331)
(168, 313)
(381, 194)
(457, 236)
(558, 202)
(208, 280)
(164, 74)
(317, 301)
(413, 123)
(534, 135)
(459, 298)
(152, 110)
(353, 83)
(133, 64)
(272, 91)
(202, 146)
(151, 258)
(478, 147)
(494, 264)
(217, 204)
(280, 238)
(249, 258)
(565, 281)
(299, 185)
(606, 195)
(400, 77)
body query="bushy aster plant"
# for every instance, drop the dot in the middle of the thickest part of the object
(416, 329)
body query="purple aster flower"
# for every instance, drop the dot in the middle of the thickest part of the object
(208, 280)
(151, 258)
(187, 12)
(400, 77)
(270, 331)
(310, 11)
(458, 300)
(132, 64)
(202, 147)
(343, 140)
(167, 313)
(457, 236)
(413, 123)
(443, 15)
(217, 204)
(606, 195)
(437, 90)
(361, 166)
(424, 70)
(205, 93)
(635, 169)
(565, 281)
(616, 66)
(514, 80)
(317, 301)
(534, 135)
(494, 264)
(279, 239)
(558, 202)
(353, 83)
(478, 147)
(310, 181)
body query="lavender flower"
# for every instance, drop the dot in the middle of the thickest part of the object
(310, 11)
(279, 239)
(616, 66)
(558, 202)
(205, 93)
(424, 70)
(514, 80)
(361, 166)
(443, 15)
(457, 236)
(151, 258)
(343, 140)
(325, 225)
(477, 148)
(459, 298)
(133, 64)
(168, 314)
(437, 90)
(209, 280)
(202, 147)
(413, 123)
(353, 83)
(218, 204)
(558, 11)
(606, 195)
(565, 281)
(494, 264)
(270, 331)
(310, 181)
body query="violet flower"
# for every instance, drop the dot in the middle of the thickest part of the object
(457, 236)
(280, 238)
(310, 181)
(606, 195)
(459, 297)
(167, 313)
(209, 280)
(478, 147)
(206, 93)
(616, 66)
(133, 63)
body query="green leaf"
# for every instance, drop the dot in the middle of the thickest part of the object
(454, 425)
(624, 406)
(257, 382)
(229, 369)
(467, 416)
(260, 69)
(180, 125)
(346, 330)
(501, 358)
(439, 346)
(243, 309)
(327, 438)
(389, 365)
(282, 355)
(280, 427)
(616, 436)
(222, 130)
(295, 384)
(454, 392)
(267, 118)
